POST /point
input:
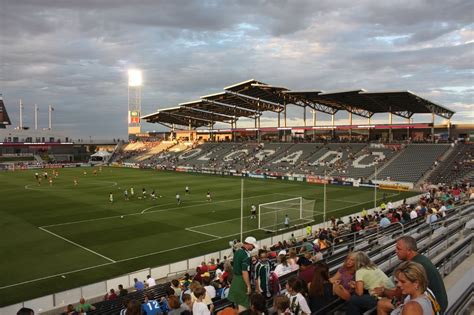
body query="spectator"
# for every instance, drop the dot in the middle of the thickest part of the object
(25, 311)
(257, 304)
(368, 276)
(150, 281)
(343, 280)
(281, 304)
(122, 291)
(262, 274)
(320, 289)
(293, 259)
(210, 289)
(283, 267)
(384, 222)
(240, 288)
(193, 287)
(176, 288)
(187, 304)
(199, 307)
(306, 246)
(69, 310)
(295, 288)
(174, 307)
(139, 286)
(150, 306)
(306, 270)
(406, 250)
(133, 308)
(84, 307)
(412, 281)
(110, 296)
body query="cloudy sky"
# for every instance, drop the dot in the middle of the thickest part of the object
(74, 54)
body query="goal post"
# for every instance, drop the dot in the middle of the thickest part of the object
(272, 215)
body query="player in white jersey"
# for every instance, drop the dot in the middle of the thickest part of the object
(253, 212)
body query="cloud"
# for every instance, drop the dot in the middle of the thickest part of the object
(74, 54)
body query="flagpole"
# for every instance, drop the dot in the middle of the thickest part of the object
(21, 114)
(242, 209)
(36, 117)
(49, 110)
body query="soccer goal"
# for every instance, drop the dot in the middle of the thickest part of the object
(271, 215)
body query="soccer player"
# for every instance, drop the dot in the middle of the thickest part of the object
(95, 172)
(208, 196)
(287, 221)
(36, 176)
(111, 197)
(253, 212)
(125, 194)
(153, 196)
(50, 181)
(144, 193)
(186, 189)
(132, 192)
(178, 199)
(85, 173)
(75, 181)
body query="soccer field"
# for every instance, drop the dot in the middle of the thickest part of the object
(61, 236)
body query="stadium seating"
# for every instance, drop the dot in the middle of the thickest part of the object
(341, 160)
(413, 162)
(458, 166)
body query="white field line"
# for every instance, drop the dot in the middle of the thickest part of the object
(345, 201)
(55, 275)
(137, 257)
(78, 245)
(208, 234)
(68, 186)
(154, 211)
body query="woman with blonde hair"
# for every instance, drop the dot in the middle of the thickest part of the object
(367, 277)
(293, 259)
(343, 280)
(412, 280)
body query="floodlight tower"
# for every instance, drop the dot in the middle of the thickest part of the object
(134, 101)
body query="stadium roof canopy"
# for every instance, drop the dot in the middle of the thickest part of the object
(252, 98)
(4, 119)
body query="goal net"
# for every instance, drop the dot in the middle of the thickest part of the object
(272, 215)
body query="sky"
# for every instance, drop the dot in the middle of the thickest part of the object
(75, 54)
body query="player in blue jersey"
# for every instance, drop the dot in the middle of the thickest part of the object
(151, 306)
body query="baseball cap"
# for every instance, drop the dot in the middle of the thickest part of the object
(251, 240)
(303, 261)
(282, 252)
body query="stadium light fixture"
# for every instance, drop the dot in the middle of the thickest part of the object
(134, 77)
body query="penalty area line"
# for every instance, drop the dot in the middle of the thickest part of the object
(78, 245)
(204, 233)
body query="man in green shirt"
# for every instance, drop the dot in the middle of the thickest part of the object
(240, 288)
(84, 307)
(406, 250)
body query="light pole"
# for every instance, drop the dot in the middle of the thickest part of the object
(324, 200)
(375, 184)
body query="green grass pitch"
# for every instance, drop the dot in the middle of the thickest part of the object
(61, 236)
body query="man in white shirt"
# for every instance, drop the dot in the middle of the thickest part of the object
(413, 214)
(150, 281)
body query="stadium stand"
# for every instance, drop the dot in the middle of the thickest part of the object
(413, 162)
(457, 167)
(447, 243)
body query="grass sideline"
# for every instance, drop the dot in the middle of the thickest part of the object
(54, 238)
